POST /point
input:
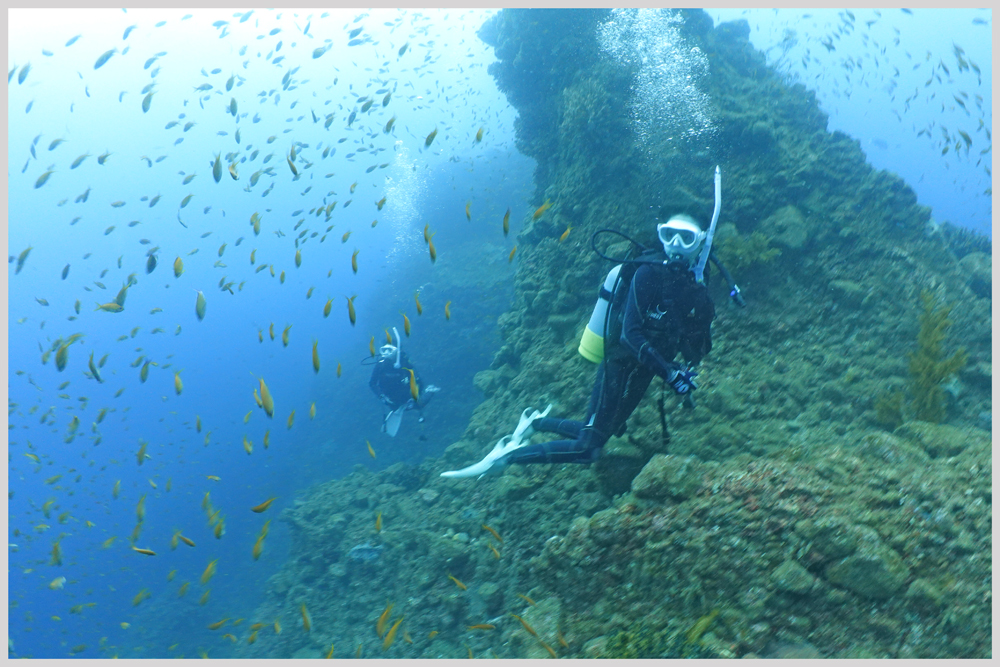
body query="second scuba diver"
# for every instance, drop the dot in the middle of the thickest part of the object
(664, 310)
(391, 383)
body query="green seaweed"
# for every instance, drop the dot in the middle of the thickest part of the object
(648, 642)
(740, 252)
(928, 366)
(889, 409)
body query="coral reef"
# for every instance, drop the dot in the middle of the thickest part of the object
(738, 253)
(780, 502)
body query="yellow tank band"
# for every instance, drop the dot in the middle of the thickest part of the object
(591, 346)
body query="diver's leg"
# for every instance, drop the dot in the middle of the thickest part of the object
(568, 428)
(584, 449)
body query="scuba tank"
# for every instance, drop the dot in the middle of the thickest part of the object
(592, 342)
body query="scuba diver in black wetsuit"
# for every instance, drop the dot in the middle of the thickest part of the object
(662, 311)
(391, 383)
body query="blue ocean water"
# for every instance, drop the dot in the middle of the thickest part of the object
(439, 82)
(290, 74)
(905, 83)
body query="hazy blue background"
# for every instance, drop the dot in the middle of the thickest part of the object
(440, 82)
(857, 85)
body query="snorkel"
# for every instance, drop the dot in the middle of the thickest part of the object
(399, 348)
(699, 269)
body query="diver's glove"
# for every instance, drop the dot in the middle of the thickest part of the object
(682, 381)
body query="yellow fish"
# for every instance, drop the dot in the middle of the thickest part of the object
(246, 417)
(330, 653)
(506, 223)
(109, 307)
(347, 235)
(247, 445)
(203, 600)
(493, 533)
(186, 540)
(108, 542)
(427, 229)
(298, 258)
(380, 203)
(383, 619)
(183, 589)
(140, 596)
(354, 261)
(351, 313)
(458, 583)
(527, 627)
(371, 452)
(277, 627)
(315, 357)
(200, 305)
(265, 399)
(420, 308)
(390, 636)
(406, 324)
(371, 345)
(140, 508)
(291, 418)
(479, 135)
(527, 599)
(312, 410)
(510, 258)
(447, 310)
(253, 255)
(430, 138)
(565, 234)
(270, 330)
(209, 572)
(306, 619)
(263, 506)
(284, 335)
(468, 215)
(220, 530)
(178, 385)
(258, 548)
(496, 554)
(326, 308)
(267, 438)
(57, 583)
(541, 209)
(378, 523)
(218, 624)
(431, 249)
(414, 390)
(353, 185)
(432, 634)
(338, 369)
(178, 267)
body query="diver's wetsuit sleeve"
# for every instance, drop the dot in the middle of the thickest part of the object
(696, 340)
(376, 378)
(643, 293)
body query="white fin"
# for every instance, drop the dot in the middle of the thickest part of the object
(393, 420)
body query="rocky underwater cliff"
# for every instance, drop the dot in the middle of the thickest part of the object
(801, 509)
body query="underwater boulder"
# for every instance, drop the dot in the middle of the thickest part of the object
(788, 228)
(667, 476)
